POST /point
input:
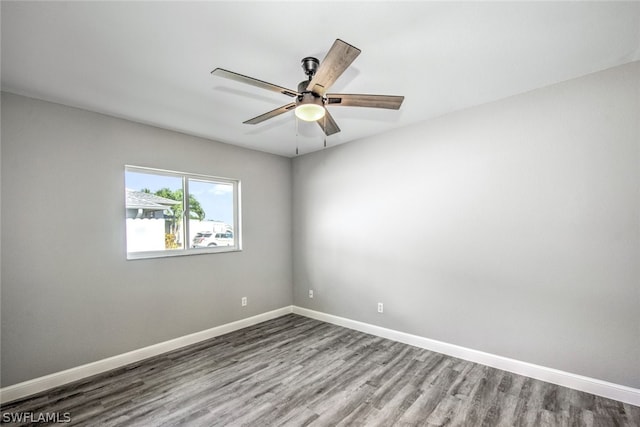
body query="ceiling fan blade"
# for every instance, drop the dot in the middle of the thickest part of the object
(253, 82)
(359, 100)
(271, 114)
(328, 125)
(339, 57)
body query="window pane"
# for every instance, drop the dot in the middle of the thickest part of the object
(154, 212)
(211, 221)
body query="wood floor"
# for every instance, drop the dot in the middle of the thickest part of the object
(295, 371)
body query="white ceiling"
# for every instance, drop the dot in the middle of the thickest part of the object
(150, 61)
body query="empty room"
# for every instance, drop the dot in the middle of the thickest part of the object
(359, 213)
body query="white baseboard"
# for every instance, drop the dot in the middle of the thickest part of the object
(578, 382)
(554, 376)
(56, 379)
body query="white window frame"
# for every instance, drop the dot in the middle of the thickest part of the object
(188, 250)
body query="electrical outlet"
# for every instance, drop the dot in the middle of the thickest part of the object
(380, 308)
(310, 293)
(244, 301)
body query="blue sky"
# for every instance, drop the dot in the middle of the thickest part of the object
(215, 199)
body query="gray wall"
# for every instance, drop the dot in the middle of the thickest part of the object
(511, 228)
(69, 296)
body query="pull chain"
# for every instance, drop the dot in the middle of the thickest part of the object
(325, 128)
(296, 120)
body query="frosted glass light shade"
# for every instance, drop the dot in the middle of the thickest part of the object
(310, 112)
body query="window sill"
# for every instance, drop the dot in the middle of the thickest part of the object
(131, 256)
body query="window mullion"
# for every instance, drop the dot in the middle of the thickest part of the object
(185, 211)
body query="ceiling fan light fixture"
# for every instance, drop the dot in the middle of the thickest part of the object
(309, 112)
(310, 108)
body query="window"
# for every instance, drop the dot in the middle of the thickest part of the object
(173, 213)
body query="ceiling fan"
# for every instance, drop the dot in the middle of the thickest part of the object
(311, 98)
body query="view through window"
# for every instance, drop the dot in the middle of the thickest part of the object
(171, 213)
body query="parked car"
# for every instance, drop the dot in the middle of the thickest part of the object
(206, 239)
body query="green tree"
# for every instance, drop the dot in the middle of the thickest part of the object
(195, 209)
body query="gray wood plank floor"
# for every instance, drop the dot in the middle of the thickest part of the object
(295, 371)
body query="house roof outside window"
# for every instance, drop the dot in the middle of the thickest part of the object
(148, 201)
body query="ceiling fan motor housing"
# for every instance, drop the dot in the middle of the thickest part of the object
(308, 97)
(302, 89)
